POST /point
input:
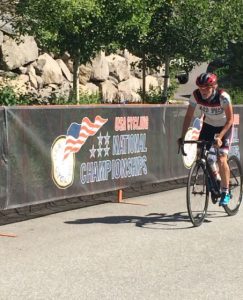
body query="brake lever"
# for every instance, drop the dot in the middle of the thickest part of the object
(181, 148)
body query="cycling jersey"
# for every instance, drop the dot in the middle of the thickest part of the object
(212, 108)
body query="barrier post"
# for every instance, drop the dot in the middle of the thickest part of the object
(119, 196)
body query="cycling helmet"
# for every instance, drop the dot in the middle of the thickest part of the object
(206, 79)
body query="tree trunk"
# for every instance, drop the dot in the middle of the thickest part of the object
(166, 79)
(76, 65)
(144, 78)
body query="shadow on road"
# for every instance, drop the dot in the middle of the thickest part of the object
(150, 221)
(160, 221)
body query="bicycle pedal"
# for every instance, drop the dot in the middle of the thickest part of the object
(214, 199)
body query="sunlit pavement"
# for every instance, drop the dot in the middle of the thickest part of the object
(145, 248)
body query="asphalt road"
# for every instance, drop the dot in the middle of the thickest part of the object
(145, 248)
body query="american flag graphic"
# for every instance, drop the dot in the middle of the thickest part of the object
(77, 134)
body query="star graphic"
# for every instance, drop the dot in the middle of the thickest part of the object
(106, 149)
(107, 138)
(99, 150)
(100, 138)
(92, 151)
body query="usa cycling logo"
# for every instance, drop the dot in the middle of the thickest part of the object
(65, 147)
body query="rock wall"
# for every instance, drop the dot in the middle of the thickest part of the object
(28, 70)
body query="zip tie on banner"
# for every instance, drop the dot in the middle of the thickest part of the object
(8, 234)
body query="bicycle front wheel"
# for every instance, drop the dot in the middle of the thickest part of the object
(197, 194)
(235, 186)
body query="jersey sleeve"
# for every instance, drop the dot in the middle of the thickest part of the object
(225, 99)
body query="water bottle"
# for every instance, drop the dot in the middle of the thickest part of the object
(212, 160)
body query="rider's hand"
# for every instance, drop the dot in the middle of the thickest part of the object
(218, 142)
(180, 141)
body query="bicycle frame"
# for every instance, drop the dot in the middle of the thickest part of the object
(212, 183)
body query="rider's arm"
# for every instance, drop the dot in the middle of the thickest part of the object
(229, 120)
(225, 102)
(187, 120)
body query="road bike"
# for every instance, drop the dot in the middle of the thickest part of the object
(202, 183)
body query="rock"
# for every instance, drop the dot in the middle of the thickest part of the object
(1, 38)
(84, 74)
(32, 76)
(118, 67)
(108, 91)
(65, 70)
(48, 78)
(114, 80)
(89, 89)
(15, 55)
(49, 69)
(151, 83)
(23, 70)
(6, 27)
(100, 68)
(92, 88)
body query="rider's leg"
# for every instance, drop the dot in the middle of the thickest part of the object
(224, 170)
(225, 177)
(224, 167)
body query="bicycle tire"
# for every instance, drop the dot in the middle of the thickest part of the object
(197, 193)
(235, 186)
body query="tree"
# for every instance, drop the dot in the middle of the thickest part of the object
(158, 31)
(132, 33)
(194, 30)
(80, 27)
(69, 25)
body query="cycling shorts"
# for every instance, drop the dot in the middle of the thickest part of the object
(208, 134)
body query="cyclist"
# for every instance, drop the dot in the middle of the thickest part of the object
(215, 105)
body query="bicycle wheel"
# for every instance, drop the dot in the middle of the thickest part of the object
(197, 194)
(235, 186)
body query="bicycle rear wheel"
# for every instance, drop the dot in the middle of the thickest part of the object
(197, 194)
(235, 186)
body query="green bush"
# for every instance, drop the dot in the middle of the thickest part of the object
(86, 98)
(153, 96)
(8, 96)
(236, 95)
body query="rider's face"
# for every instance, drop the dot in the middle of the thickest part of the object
(206, 92)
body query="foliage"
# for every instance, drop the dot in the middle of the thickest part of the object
(86, 98)
(194, 30)
(157, 31)
(7, 96)
(80, 27)
(155, 95)
(236, 95)
(231, 72)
